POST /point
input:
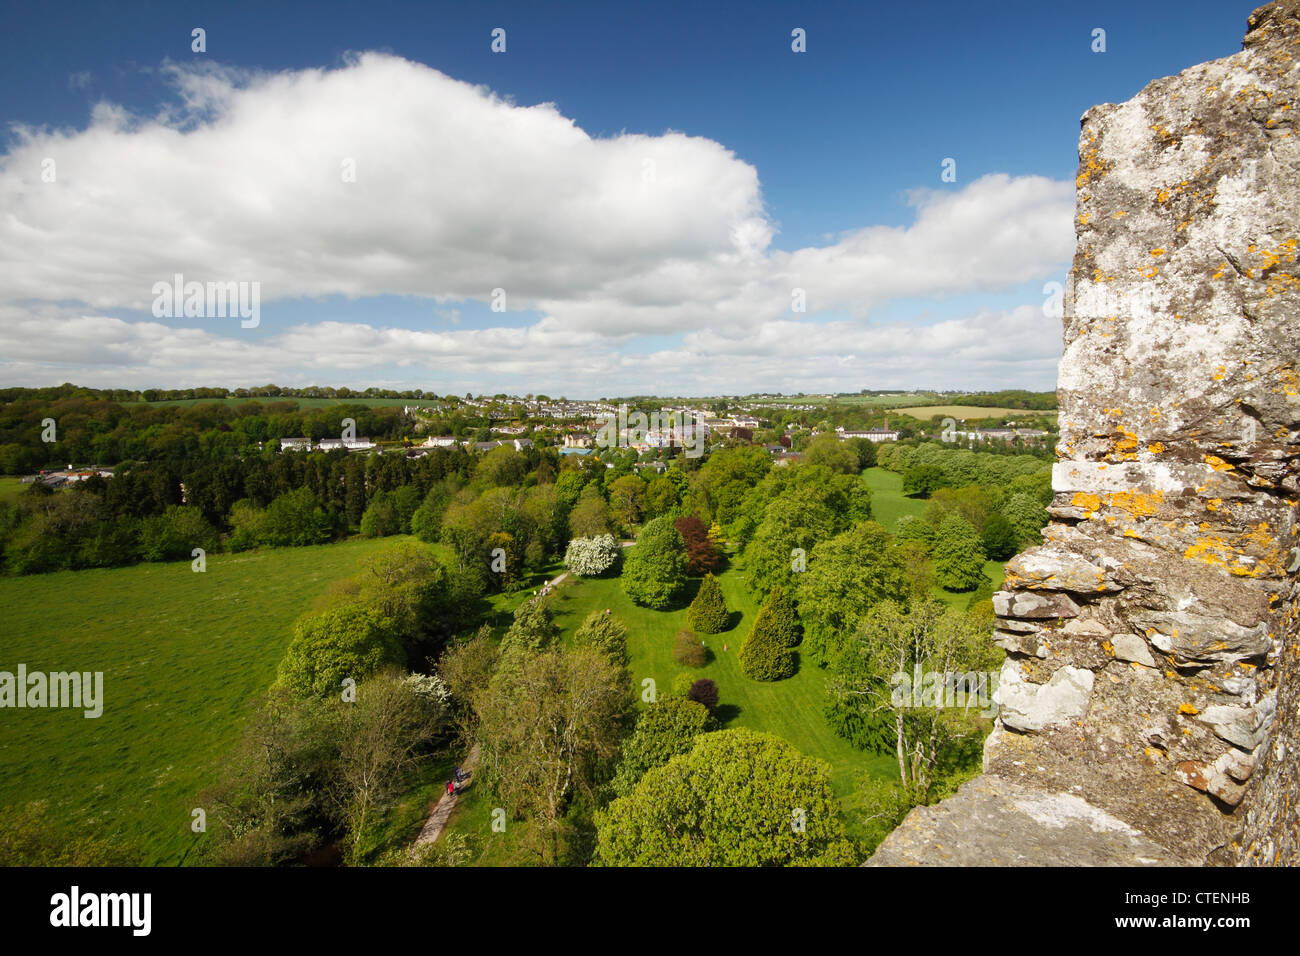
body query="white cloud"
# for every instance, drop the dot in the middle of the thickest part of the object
(459, 192)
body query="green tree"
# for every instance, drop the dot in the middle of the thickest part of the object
(626, 499)
(708, 613)
(605, 633)
(999, 539)
(665, 729)
(836, 455)
(1026, 516)
(533, 628)
(738, 798)
(381, 517)
(958, 554)
(797, 520)
(784, 618)
(765, 655)
(871, 696)
(846, 575)
(654, 571)
(349, 642)
(549, 728)
(28, 837)
(923, 480)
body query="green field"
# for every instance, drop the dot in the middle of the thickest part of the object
(971, 412)
(183, 657)
(10, 489)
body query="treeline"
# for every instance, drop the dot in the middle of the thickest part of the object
(68, 390)
(1010, 398)
(37, 433)
(929, 466)
(160, 511)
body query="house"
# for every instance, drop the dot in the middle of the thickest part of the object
(870, 434)
(440, 441)
(523, 443)
(347, 444)
(296, 444)
(579, 440)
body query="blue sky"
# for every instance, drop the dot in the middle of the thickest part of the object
(648, 228)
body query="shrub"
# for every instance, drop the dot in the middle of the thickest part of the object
(682, 684)
(688, 651)
(704, 691)
(708, 612)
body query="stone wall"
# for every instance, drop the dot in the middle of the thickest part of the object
(1148, 706)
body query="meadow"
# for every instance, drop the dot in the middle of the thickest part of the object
(971, 412)
(184, 655)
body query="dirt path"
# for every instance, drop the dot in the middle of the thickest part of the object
(442, 809)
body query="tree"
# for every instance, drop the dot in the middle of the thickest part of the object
(798, 519)
(703, 554)
(1026, 516)
(665, 729)
(867, 704)
(923, 480)
(738, 798)
(532, 628)
(381, 518)
(380, 738)
(846, 575)
(626, 496)
(708, 613)
(688, 651)
(175, 533)
(352, 641)
(504, 561)
(704, 691)
(592, 557)
(765, 655)
(828, 450)
(999, 539)
(606, 634)
(467, 669)
(548, 728)
(294, 518)
(958, 554)
(654, 572)
(590, 516)
(501, 467)
(783, 617)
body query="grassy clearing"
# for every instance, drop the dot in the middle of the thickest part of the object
(11, 489)
(183, 655)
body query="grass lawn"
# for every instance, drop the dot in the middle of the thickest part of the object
(183, 656)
